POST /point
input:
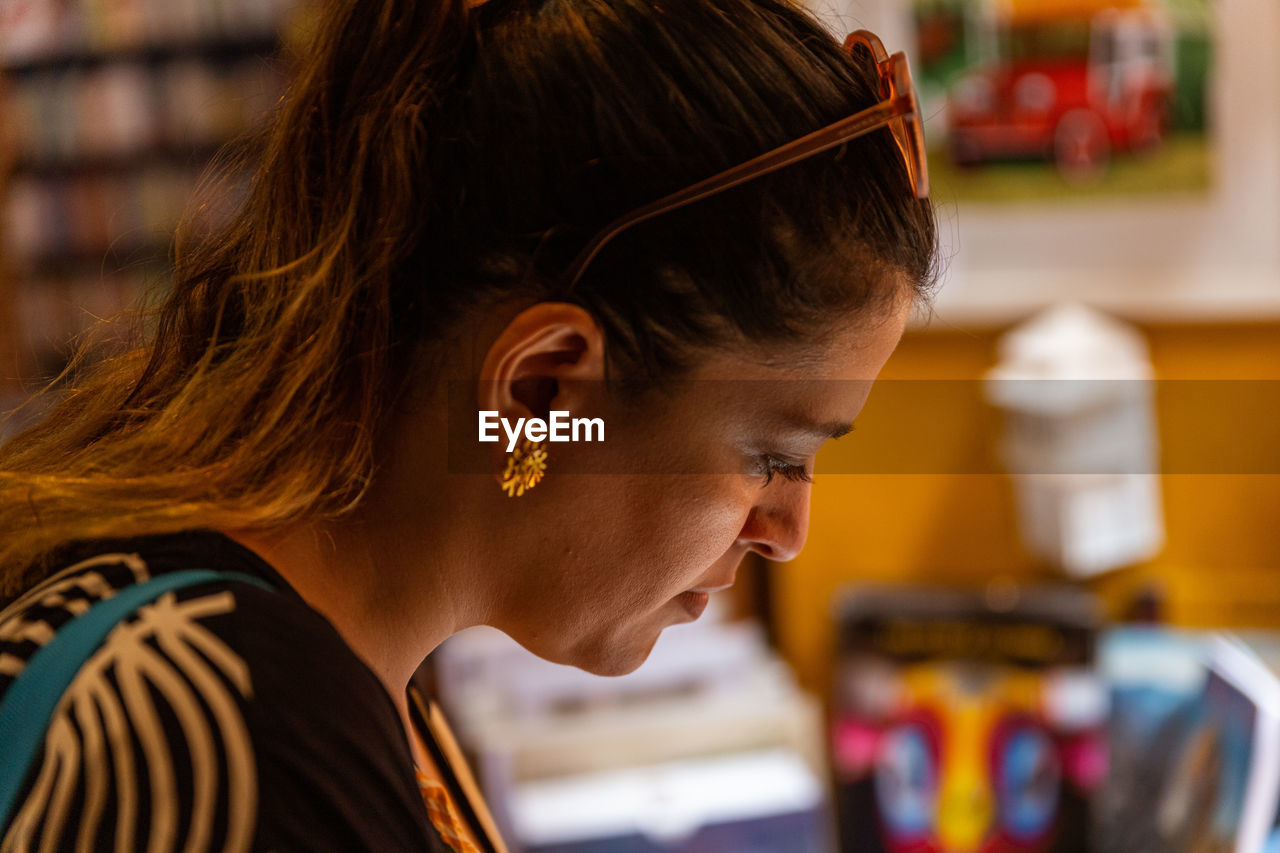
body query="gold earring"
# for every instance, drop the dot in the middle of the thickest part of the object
(526, 466)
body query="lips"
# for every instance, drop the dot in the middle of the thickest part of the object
(711, 589)
(694, 602)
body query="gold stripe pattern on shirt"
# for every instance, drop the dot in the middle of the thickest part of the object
(162, 655)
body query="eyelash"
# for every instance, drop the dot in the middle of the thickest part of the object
(773, 465)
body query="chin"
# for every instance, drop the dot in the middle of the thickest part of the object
(613, 656)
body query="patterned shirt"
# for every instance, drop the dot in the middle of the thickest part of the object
(219, 717)
(445, 815)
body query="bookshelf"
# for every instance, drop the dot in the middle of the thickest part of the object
(9, 371)
(110, 111)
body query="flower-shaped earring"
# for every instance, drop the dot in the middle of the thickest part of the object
(526, 466)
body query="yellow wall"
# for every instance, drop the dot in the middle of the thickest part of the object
(1221, 563)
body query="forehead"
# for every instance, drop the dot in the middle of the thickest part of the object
(854, 352)
(815, 385)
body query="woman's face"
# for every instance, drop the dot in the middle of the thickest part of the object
(621, 539)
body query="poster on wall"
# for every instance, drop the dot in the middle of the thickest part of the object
(1124, 154)
(1036, 99)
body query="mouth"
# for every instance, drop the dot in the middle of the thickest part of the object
(694, 601)
(711, 589)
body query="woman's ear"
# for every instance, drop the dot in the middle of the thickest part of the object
(526, 368)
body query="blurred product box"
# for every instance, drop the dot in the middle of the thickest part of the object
(709, 746)
(1195, 742)
(967, 720)
(767, 801)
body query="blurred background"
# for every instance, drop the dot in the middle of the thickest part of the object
(1036, 607)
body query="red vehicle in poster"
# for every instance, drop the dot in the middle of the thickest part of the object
(1072, 82)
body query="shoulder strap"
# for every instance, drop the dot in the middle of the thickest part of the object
(32, 698)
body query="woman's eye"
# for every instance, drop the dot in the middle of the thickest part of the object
(772, 465)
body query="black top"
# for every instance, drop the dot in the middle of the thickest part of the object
(219, 717)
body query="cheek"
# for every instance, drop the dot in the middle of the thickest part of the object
(642, 541)
(684, 525)
(650, 527)
(645, 539)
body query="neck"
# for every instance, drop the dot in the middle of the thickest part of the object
(403, 571)
(389, 608)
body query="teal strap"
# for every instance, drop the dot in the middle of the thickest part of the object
(31, 700)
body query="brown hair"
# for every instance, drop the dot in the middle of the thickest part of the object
(428, 158)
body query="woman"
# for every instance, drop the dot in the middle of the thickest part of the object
(433, 233)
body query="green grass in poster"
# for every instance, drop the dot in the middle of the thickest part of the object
(1182, 164)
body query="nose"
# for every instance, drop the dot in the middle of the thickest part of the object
(778, 522)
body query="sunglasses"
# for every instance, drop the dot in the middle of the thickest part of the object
(898, 109)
